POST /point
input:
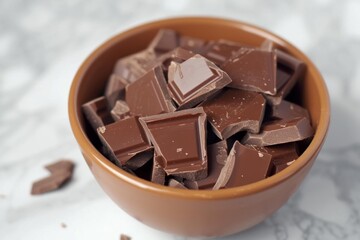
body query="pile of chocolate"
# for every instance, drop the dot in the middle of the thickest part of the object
(196, 114)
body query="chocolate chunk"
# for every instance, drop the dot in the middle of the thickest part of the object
(139, 160)
(97, 113)
(235, 110)
(195, 45)
(149, 94)
(195, 80)
(267, 45)
(279, 168)
(280, 131)
(176, 184)
(179, 139)
(164, 41)
(61, 172)
(253, 70)
(220, 51)
(289, 70)
(158, 173)
(217, 155)
(115, 89)
(63, 165)
(120, 111)
(124, 139)
(286, 110)
(134, 66)
(244, 165)
(124, 237)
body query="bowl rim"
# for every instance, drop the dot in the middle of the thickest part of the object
(97, 158)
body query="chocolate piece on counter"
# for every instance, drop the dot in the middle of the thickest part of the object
(115, 89)
(176, 184)
(158, 174)
(280, 131)
(195, 80)
(63, 165)
(124, 237)
(286, 110)
(179, 139)
(253, 70)
(164, 41)
(267, 45)
(217, 154)
(124, 139)
(195, 45)
(120, 111)
(51, 183)
(235, 110)
(178, 55)
(97, 113)
(149, 94)
(220, 51)
(134, 66)
(244, 165)
(289, 70)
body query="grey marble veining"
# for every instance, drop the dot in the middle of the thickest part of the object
(42, 43)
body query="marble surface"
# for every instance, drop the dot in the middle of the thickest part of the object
(42, 43)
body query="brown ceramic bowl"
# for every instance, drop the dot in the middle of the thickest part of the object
(191, 212)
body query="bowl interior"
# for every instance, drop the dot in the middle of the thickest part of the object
(91, 78)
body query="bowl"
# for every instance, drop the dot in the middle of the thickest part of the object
(202, 213)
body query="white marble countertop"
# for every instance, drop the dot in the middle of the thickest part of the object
(42, 43)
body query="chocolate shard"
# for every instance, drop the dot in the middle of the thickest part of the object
(195, 80)
(124, 237)
(289, 71)
(149, 94)
(164, 41)
(54, 181)
(115, 89)
(179, 139)
(235, 110)
(195, 45)
(139, 160)
(120, 111)
(133, 142)
(221, 50)
(178, 55)
(267, 45)
(217, 155)
(282, 155)
(97, 113)
(287, 110)
(253, 70)
(158, 174)
(63, 165)
(281, 131)
(134, 66)
(176, 184)
(244, 165)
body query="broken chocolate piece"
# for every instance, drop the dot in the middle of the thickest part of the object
(280, 131)
(220, 51)
(279, 168)
(195, 45)
(253, 70)
(149, 94)
(164, 41)
(97, 113)
(194, 80)
(120, 111)
(287, 110)
(176, 184)
(267, 45)
(124, 237)
(244, 165)
(158, 173)
(124, 139)
(235, 110)
(61, 165)
(217, 154)
(289, 71)
(179, 139)
(115, 89)
(134, 66)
